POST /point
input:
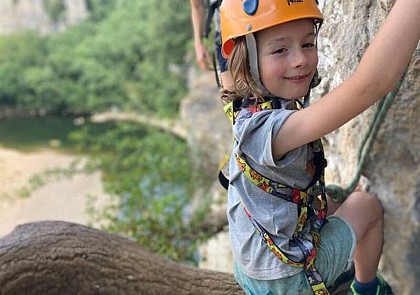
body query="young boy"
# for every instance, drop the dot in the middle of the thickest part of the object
(276, 165)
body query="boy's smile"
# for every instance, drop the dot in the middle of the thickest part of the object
(288, 57)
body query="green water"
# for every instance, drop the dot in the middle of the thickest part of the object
(34, 133)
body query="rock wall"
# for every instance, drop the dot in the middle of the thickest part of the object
(18, 15)
(392, 171)
(209, 135)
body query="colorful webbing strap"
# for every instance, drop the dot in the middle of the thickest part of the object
(272, 187)
(270, 243)
(308, 248)
(313, 277)
(231, 111)
(304, 201)
(301, 198)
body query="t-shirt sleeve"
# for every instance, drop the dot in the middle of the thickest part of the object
(256, 135)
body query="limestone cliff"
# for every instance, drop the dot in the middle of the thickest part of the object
(392, 171)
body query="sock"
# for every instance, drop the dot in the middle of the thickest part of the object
(368, 288)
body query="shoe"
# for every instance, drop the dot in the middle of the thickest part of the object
(342, 284)
(382, 289)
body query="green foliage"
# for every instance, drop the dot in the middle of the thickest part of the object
(99, 9)
(20, 54)
(129, 54)
(55, 9)
(49, 175)
(152, 178)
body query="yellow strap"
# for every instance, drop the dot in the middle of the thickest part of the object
(228, 109)
(256, 178)
(280, 255)
(231, 113)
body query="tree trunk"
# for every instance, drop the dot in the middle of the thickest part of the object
(55, 257)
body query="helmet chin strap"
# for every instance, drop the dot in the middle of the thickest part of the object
(251, 46)
(315, 82)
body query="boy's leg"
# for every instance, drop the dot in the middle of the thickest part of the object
(364, 212)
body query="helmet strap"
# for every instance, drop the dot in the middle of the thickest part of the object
(307, 99)
(251, 46)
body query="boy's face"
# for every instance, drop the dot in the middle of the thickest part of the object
(288, 57)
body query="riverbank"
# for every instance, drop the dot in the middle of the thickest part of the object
(64, 199)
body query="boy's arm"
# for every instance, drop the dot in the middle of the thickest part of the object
(380, 69)
(390, 52)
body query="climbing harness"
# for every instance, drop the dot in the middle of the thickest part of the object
(212, 7)
(216, 71)
(339, 194)
(304, 199)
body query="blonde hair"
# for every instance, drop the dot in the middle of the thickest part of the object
(244, 85)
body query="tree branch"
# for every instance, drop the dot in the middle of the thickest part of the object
(55, 257)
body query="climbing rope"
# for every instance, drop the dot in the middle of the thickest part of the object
(339, 194)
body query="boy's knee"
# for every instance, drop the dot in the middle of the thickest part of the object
(370, 203)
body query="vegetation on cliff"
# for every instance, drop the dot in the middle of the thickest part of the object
(127, 55)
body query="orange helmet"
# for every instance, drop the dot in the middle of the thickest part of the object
(242, 17)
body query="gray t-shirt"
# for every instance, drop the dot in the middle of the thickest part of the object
(253, 137)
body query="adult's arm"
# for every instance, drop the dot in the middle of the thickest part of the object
(198, 19)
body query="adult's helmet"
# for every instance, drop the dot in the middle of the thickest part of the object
(242, 17)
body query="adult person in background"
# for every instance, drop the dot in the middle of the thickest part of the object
(201, 27)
